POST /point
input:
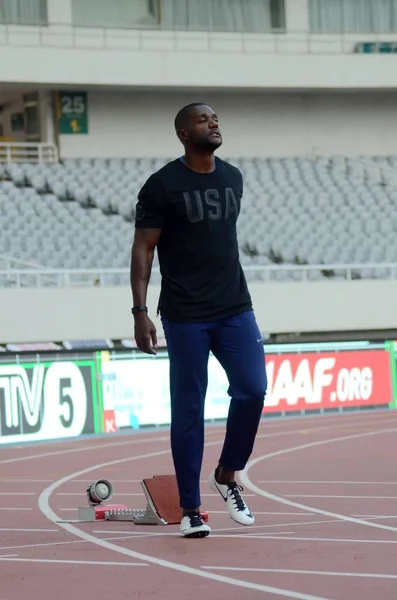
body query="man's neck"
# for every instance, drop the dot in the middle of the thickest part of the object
(202, 163)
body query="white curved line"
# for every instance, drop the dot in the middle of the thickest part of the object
(245, 480)
(45, 508)
(50, 514)
(304, 572)
(83, 448)
(127, 442)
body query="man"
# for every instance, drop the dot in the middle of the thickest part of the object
(188, 210)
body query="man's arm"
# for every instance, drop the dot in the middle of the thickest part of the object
(142, 253)
(145, 242)
(148, 226)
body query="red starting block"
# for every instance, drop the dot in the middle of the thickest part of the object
(98, 513)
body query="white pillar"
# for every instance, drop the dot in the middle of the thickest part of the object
(46, 117)
(297, 16)
(59, 12)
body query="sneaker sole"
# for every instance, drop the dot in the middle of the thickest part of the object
(196, 534)
(239, 522)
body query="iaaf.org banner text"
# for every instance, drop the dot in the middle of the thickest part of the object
(327, 380)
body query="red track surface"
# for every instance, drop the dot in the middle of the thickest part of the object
(323, 490)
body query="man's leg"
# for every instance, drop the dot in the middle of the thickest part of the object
(239, 348)
(188, 349)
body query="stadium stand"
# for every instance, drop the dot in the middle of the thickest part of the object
(321, 211)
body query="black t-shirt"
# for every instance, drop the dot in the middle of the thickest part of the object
(202, 279)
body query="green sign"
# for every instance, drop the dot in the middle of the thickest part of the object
(72, 112)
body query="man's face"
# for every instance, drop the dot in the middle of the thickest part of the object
(202, 129)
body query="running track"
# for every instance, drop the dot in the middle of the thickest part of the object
(323, 489)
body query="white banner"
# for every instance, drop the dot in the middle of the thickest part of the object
(138, 391)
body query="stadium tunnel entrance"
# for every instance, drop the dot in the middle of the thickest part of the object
(27, 115)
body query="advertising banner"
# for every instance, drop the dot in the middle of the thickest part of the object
(107, 391)
(328, 380)
(136, 391)
(46, 400)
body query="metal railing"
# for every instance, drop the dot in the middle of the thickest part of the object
(373, 171)
(157, 38)
(39, 278)
(28, 152)
(11, 262)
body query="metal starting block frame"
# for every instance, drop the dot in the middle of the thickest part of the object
(147, 516)
(162, 484)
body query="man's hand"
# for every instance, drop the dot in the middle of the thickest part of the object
(145, 333)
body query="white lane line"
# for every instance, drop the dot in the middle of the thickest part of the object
(281, 525)
(45, 544)
(49, 513)
(13, 508)
(337, 496)
(121, 536)
(7, 555)
(299, 514)
(210, 495)
(147, 534)
(302, 572)
(46, 561)
(327, 482)
(85, 449)
(18, 494)
(126, 442)
(52, 544)
(113, 480)
(323, 539)
(237, 536)
(30, 530)
(52, 516)
(223, 512)
(82, 494)
(25, 480)
(205, 495)
(376, 516)
(245, 480)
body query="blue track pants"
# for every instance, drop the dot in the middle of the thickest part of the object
(236, 343)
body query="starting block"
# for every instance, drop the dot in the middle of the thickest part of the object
(162, 503)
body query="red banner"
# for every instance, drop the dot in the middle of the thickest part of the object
(310, 381)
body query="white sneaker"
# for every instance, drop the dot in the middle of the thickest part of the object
(193, 526)
(238, 510)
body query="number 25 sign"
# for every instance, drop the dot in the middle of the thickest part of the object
(72, 112)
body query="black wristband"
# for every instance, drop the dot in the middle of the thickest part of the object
(136, 309)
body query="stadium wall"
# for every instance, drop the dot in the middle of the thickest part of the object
(138, 124)
(33, 315)
(68, 50)
(164, 59)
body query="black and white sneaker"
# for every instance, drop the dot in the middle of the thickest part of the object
(238, 510)
(193, 526)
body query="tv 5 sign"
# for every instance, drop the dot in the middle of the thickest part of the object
(41, 401)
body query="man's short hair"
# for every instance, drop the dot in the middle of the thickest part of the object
(182, 116)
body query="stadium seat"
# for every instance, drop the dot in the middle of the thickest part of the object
(79, 214)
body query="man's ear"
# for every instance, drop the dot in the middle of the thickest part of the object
(182, 135)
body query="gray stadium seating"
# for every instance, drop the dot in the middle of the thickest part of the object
(79, 214)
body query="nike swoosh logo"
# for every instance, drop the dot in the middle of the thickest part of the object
(219, 490)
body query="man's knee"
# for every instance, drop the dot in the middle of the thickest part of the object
(252, 391)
